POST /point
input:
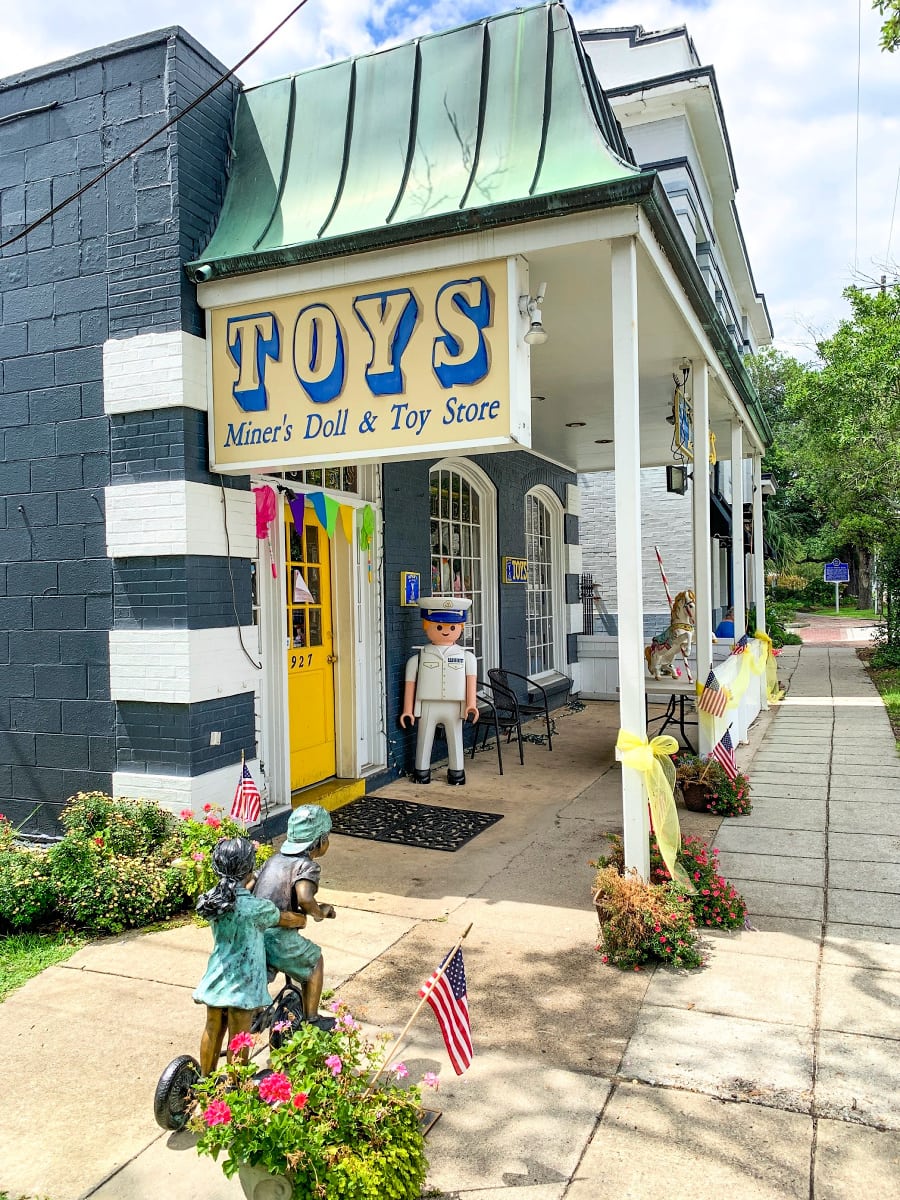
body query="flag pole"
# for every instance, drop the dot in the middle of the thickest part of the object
(422, 1002)
(665, 582)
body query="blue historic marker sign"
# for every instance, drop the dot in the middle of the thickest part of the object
(837, 572)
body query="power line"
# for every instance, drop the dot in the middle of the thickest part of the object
(168, 125)
(856, 163)
(887, 256)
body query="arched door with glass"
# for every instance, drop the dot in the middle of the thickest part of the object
(542, 533)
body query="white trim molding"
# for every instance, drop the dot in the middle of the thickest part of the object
(179, 792)
(154, 370)
(179, 517)
(180, 666)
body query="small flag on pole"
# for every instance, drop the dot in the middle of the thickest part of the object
(445, 992)
(713, 699)
(723, 752)
(741, 646)
(247, 801)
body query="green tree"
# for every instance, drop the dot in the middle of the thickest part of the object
(890, 29)
(844, 443)
(789, 517)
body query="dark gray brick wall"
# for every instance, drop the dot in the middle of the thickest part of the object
(167, 443)
(108, 264)
(174, 739)
(181, 592)
(407, 547)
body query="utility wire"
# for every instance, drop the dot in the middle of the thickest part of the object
(887, 255)
(168, 125)
(856, 162)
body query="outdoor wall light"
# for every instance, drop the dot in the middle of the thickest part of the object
(530, 307)
(677, 479)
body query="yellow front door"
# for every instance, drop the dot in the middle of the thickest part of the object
(310, 655)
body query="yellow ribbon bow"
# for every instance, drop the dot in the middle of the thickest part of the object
(652, 759)
(771, 667)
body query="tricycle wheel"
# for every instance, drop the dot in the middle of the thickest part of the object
(171, 1100)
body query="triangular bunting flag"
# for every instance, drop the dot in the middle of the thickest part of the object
(347, 521)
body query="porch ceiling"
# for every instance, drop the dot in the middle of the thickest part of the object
(571, 374)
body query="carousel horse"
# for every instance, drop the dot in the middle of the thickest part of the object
(675, 640)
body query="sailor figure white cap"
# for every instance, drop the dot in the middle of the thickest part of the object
(449, 609)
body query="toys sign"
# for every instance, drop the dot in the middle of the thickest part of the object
(405, 368)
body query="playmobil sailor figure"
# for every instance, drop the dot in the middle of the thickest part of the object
(440, 685)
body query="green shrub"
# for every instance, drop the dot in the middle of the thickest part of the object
(27, 895)
(99, 890)
(129, 827)
(643, 922)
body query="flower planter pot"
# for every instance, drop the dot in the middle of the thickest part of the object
(696, 795)
(258, 1184)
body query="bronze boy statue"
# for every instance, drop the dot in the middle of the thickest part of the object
(290, 879)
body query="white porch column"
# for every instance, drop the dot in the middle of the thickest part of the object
(632, 713)
(759, 554)
(738, 563)
(759, 562)
(702, 572)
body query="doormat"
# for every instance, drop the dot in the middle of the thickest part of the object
(381, 819)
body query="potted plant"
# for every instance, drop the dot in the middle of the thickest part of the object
(643, 922)
(706, 787)
(318, 1123)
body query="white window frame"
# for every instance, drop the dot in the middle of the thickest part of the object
(552, 503)
(481, 482)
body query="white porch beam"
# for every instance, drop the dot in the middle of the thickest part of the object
(626, 424)
(702, 571)
(737, 527)
(674, 287)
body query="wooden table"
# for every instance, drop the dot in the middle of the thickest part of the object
(674, 693)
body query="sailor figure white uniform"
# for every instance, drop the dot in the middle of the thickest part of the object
(440, 685)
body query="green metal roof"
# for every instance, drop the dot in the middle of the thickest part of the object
(503, 116)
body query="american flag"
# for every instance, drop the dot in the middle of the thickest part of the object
(447, 997)
(723, 752)
(247, 801)
(741, 646)
(712, 699)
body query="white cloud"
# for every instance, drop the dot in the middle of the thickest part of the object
(787, 73)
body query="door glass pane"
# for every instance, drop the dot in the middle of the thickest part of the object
(456, 549)
(298, 627)
(313, 582)
(315, 627)
(312, 543)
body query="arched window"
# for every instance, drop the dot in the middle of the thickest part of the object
(463, 550)
(545, 610)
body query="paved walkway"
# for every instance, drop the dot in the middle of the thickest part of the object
(820, 629)
(774, 1072)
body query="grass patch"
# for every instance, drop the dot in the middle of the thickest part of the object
(847, 610)
(887, 680)
(24, 955)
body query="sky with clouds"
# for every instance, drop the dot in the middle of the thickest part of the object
(814, 124)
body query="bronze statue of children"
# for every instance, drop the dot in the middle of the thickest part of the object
(235, 982)
(290, 879)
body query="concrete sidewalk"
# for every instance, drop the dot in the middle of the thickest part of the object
(774, 1072)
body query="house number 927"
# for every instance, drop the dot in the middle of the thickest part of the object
(301, 660)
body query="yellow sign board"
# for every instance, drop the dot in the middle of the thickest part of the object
(409, 367)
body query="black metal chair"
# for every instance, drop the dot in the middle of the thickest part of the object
(498, 711)
(527, 708)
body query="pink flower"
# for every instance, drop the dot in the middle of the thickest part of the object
(213, 822)
(186, 814)
(605, 958)
(198, 856)
(207, 808)
(275, 1088)
(98, 840)
(218, 1113)
(400, 1070)
(299, 1099)
(347, 1022)
(241, 1041)
(334, 1064)
(281, 1026)
(431, 1080)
